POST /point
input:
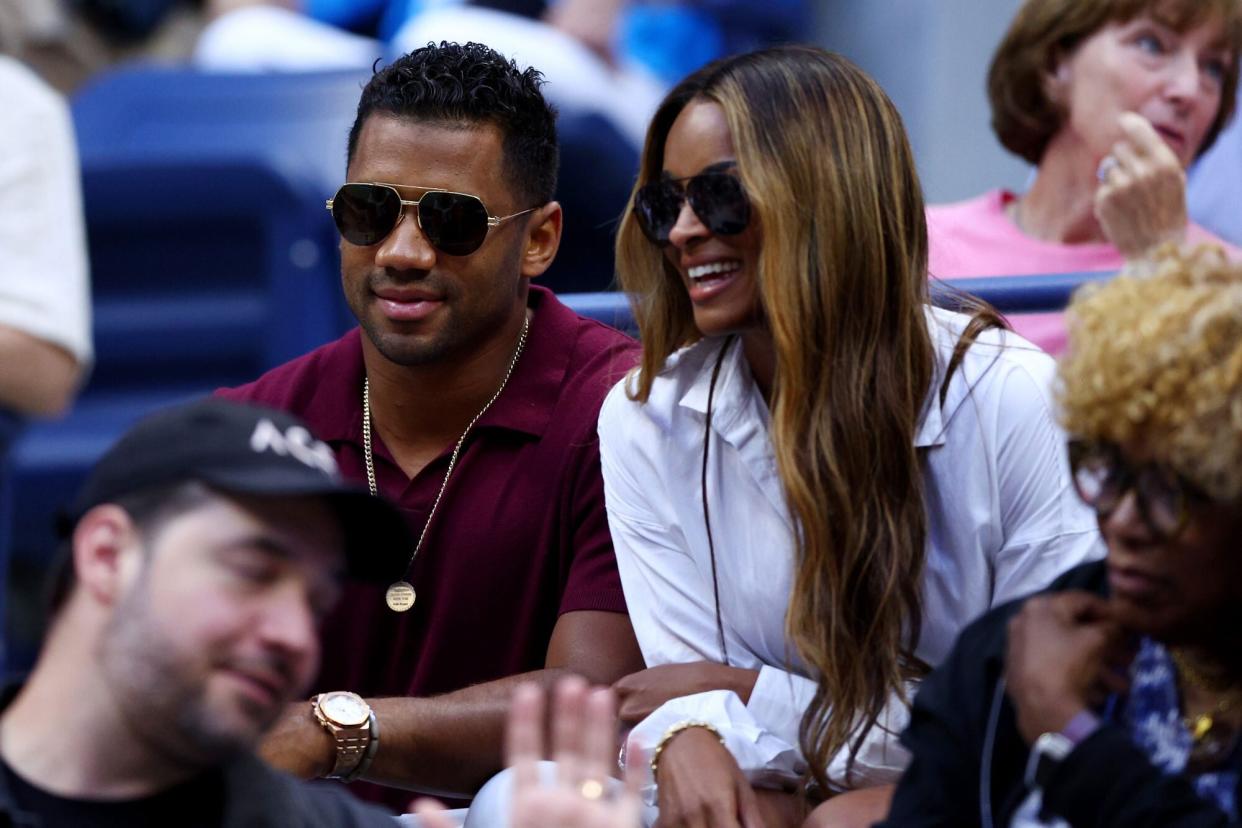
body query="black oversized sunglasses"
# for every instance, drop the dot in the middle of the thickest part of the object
(454, 223)
(1102, 476)
(717, 198)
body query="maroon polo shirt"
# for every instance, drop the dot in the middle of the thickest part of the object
(520, 536)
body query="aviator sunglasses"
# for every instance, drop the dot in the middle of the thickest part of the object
(717, 198)
(1102, 476)
(454, 223)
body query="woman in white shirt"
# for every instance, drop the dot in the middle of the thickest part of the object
(815, 478)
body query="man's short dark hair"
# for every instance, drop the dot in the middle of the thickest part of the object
(454, 83)
(149, 510)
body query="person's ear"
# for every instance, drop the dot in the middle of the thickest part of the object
(543, 239)
(106, 552)
(1057, 78)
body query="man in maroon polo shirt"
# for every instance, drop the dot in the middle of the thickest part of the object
(470, 399)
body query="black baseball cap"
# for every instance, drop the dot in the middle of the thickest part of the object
(245, 449)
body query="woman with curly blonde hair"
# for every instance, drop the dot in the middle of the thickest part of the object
(815, 478)
(1115, 699)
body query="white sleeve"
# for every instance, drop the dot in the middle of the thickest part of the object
(669, 601)
(1047, 529)
(670, 610)
(44, 286)
(772, 758)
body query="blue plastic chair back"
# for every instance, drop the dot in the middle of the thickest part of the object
(212, 256)
(210, 248)
(1008, 294)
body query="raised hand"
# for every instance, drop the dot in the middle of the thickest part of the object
(1064, 655)
(1141, 201)
(584, 746)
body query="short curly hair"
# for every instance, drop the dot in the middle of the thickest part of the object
(470, 83)
(1156, 358)
(1024, 118)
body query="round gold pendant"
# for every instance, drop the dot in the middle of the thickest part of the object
(400, 597)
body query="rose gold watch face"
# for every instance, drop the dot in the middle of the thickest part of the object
(346, 709)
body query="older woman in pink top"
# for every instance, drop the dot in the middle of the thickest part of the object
(1112, 100)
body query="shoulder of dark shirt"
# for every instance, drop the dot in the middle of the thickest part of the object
(290, 387)
(987, 634)
(292, 803)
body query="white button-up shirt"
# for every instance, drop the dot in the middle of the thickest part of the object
(1003, 521)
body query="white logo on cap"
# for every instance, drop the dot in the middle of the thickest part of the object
(297, 443)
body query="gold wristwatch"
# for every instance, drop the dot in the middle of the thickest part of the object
(348, 717)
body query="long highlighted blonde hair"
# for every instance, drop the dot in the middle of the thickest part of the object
(842, 279)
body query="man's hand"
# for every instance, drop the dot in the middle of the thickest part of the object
(642, 692)
(299, 744)
(1141, 202)
(584, 729)
(701, 785)
(1064, 655)
(584, 738)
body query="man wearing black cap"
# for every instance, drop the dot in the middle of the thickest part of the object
(206, 547)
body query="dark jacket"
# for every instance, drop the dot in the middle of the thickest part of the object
(969, 759)
(257, 796)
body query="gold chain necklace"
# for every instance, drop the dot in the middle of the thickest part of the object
(1202, 726)
(400, 596)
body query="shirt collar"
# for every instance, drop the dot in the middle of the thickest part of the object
(530, 397)
(930, 429)
(730, 385)
(335, 409)
(945, 328)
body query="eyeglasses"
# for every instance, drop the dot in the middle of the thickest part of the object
(717, 198)
(1102, 476)
(454, 223)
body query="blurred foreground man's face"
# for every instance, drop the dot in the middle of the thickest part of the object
(214, 626)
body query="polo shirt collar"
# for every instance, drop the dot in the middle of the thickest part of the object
(531, 395)
(335, 411)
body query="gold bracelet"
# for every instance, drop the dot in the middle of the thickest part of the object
(668, 737)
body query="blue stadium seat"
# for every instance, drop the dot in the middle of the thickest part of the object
(598, 168)
(212, 257)
(1008, 294)
(1019, 294)
(202, 185)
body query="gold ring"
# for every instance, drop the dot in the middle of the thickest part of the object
(591, 789)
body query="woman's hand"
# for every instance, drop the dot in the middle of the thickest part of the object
(701, 785)
(1064, 655)
(1141, 202)
(642, 692)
